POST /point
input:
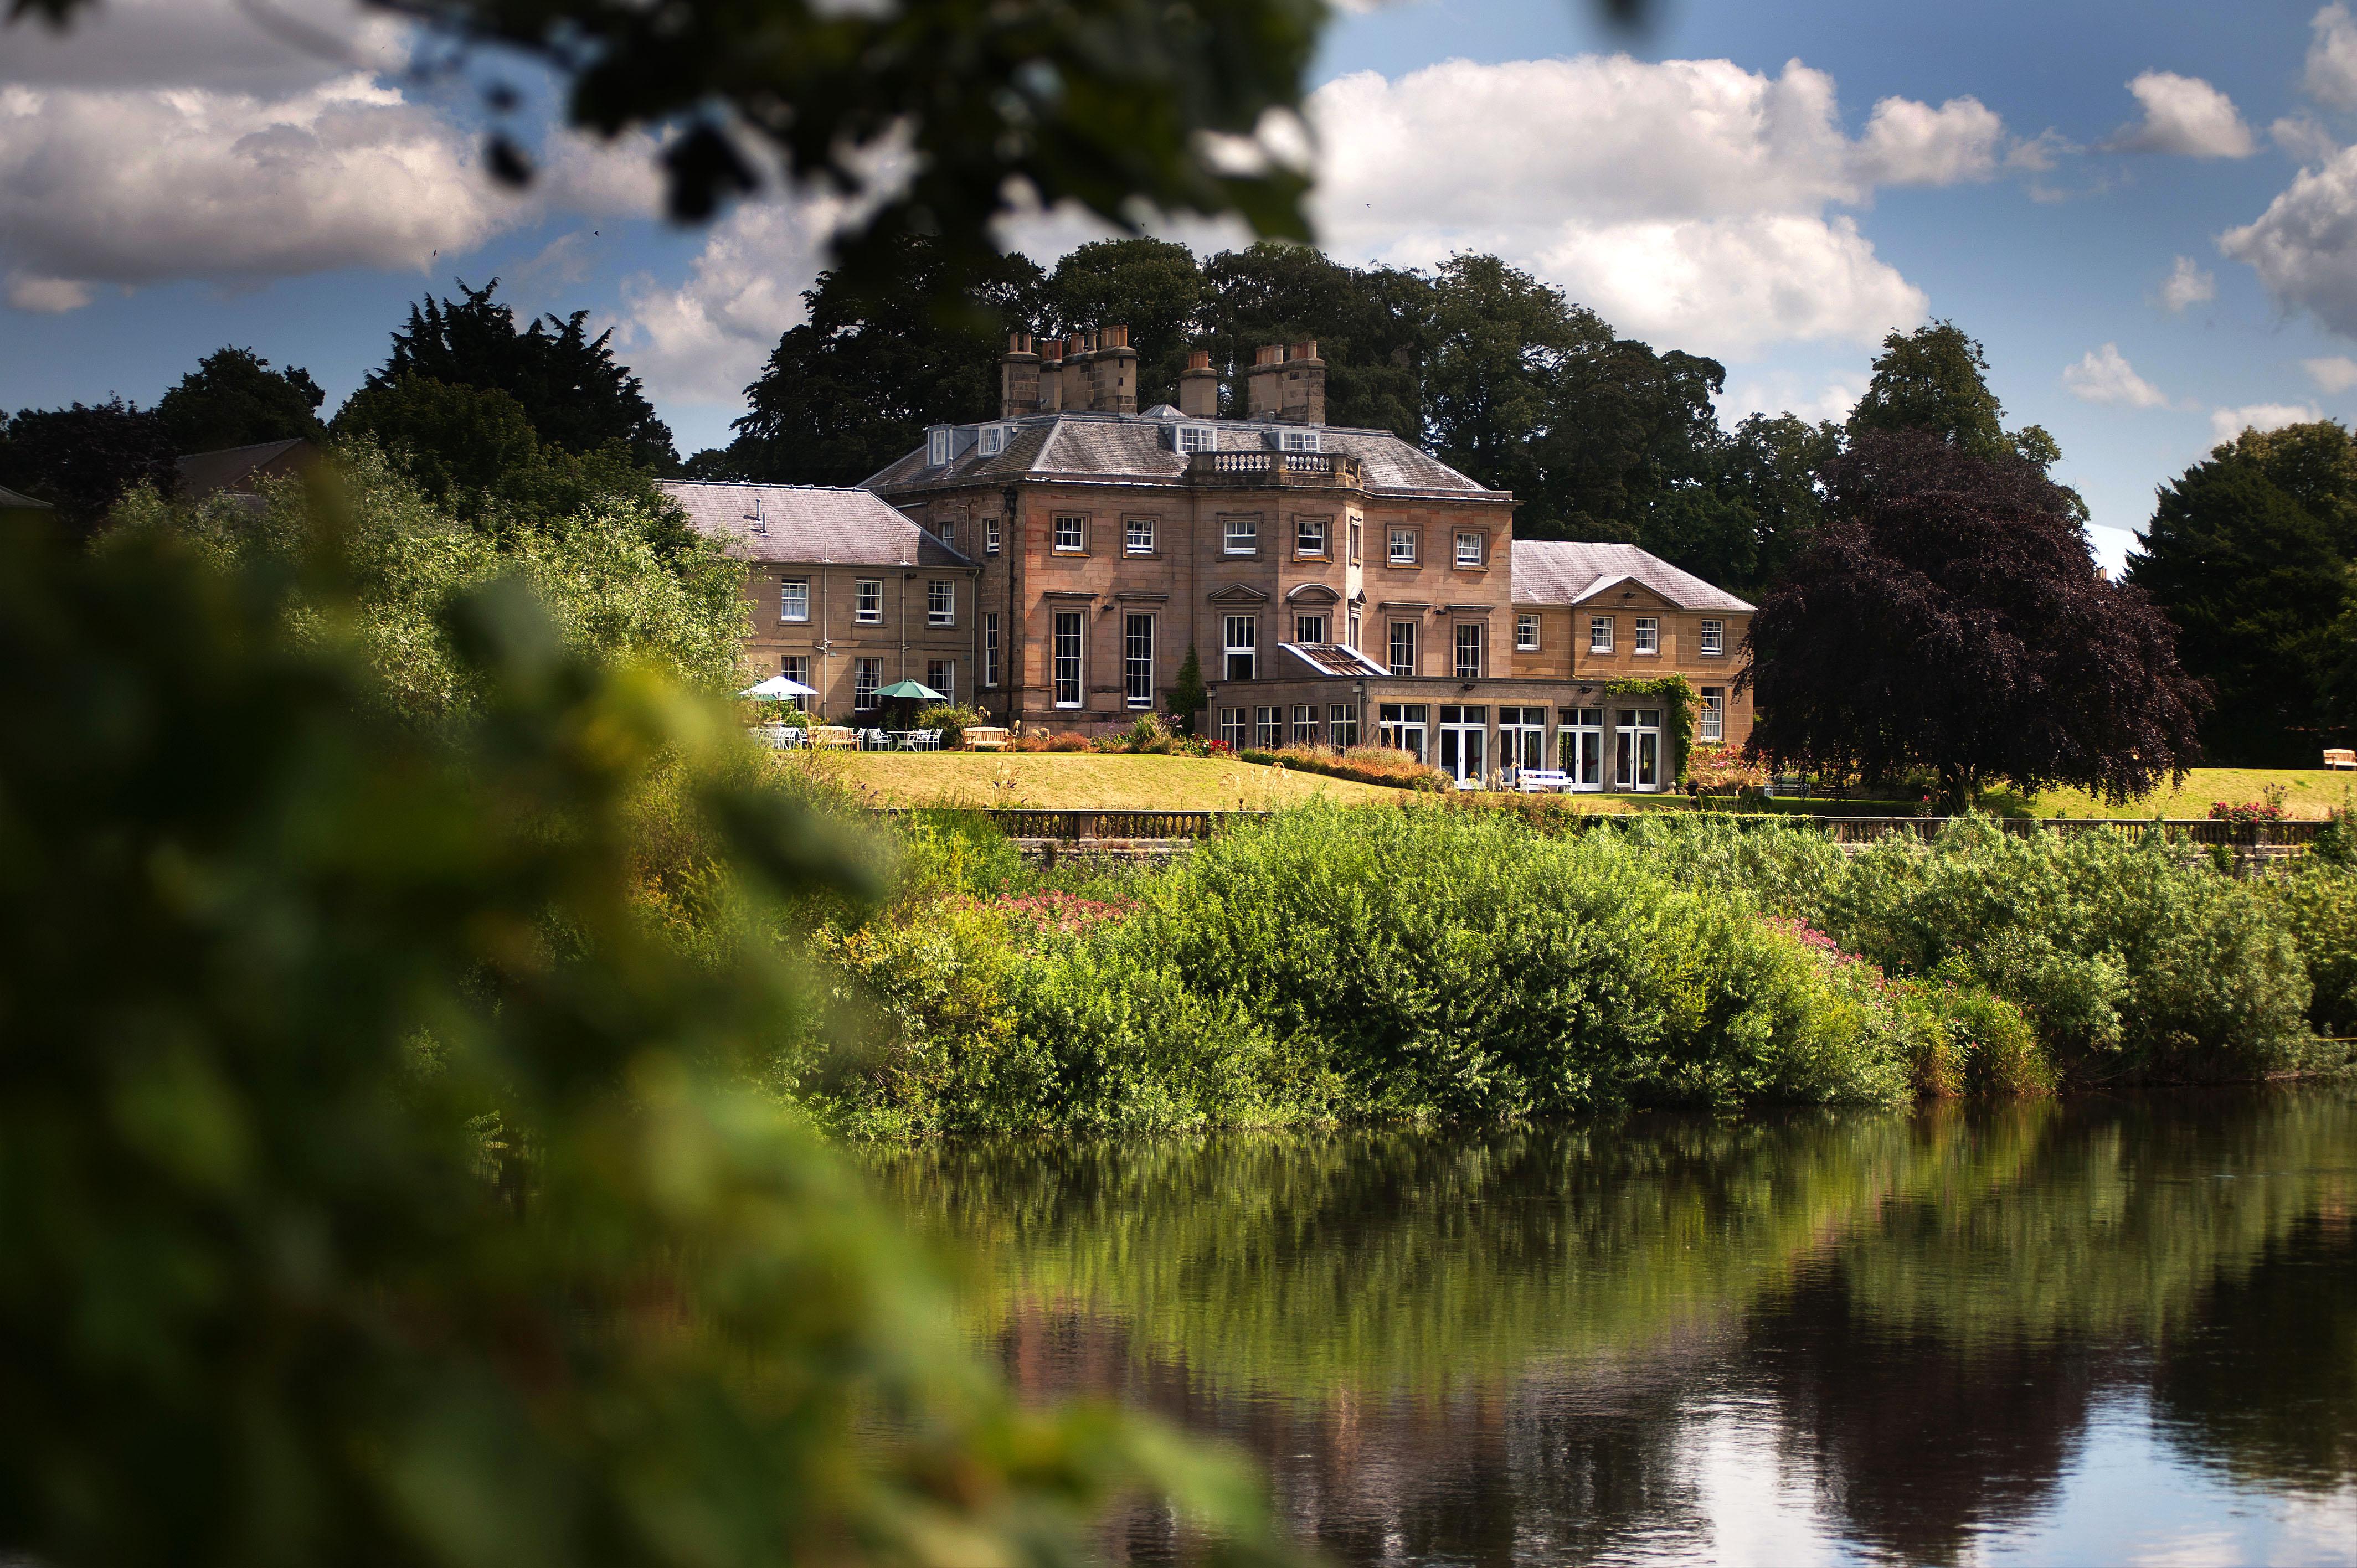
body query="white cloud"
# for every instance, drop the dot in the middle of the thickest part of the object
(2304, 246)
(704, 340)
(2184, 115)
(2304, 139)
(2038, 154)
(2336, 374)
(2187, 285)
(1787, 393)
(1688, 200)
(47, 296)
(227, 46)
(2331, 75)
(133, 187)
(2225, 423)
(1908, 142)
(2104, 375)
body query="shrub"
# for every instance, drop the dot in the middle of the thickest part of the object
(2318, 903)
(1366, 764)
(952, 719)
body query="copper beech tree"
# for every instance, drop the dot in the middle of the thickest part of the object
(1948, 617)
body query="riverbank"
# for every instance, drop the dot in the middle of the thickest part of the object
(1331, 965)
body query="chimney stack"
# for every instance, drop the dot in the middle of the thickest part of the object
(1079, 348)
(1051, 375)
(1199, 386)
(1304, 395)
(1019, 377)
(1263, 383)
(1115, 377)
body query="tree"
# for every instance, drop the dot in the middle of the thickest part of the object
(1189, 696)
(234, 399)
(1948, 617)
(1373, 328)
(1499, 339)
(1153, 286)
(1771, 465)
(571, 390)
(458, 442)
(85, 458)
(854, 387)
(2255, 583)
(386, 1186)
(1933, 380)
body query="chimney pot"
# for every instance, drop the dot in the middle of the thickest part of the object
(1264, 395)
(1019, 377)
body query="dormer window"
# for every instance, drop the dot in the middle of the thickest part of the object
(992, 440)
(937, 448)
(1298, 440)
(1197, 439)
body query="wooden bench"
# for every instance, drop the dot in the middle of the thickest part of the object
(1541, 781)
(831, 737)
(2340, 759)
(985, 737)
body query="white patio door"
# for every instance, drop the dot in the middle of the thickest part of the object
(1522, 737)
(1581, 741)
(1464, 742)
(1637, 757)
(1401, 726)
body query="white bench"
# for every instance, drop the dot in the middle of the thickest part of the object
(1541, 781)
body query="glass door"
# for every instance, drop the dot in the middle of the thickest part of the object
(1402, 725)
(1581, 742)
(1521, 738)
(1637, 753)
(1464, 742)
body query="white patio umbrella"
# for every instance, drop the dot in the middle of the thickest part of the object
(778, 686)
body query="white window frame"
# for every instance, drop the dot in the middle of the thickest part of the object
(1342, 726)
(1710, 639)
(1710, 725)
(1304, 626)
(1239, 535)
(867, 679)
(1076, 525)
(1304, 727)
(1069, 631)
(867, 601)
(1468, 635)
(941, 603)
(1526, 634)
(1646, 640)
(990, 651)
(949, 531)
(787, 599)
(1297, 440)
(1401, 547)
(1137, 536)
(1392, 641)
(1233, 728)
(990, 536)
(1268, 727)
(1194, 438)
(937, 448)
(1310, 537)
(1248, 649)
(795, 667)
(1472, 548)
(1599, 634)
(990, 441)
(1136, 669)
(947, 670)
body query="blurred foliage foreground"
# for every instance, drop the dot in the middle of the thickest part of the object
(379, 1186)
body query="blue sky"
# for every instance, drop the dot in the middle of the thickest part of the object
(170, 181)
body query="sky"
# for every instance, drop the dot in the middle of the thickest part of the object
(2146, 213)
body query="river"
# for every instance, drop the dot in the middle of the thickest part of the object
(2105, 1331)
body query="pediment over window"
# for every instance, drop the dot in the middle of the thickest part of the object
(1312, 594)
(1238, 593)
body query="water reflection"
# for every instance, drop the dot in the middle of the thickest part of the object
(2051, 1334)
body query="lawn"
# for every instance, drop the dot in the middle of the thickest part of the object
(2307, 792)
(1114, 782)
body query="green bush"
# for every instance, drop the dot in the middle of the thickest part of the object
(952, 719)
(2318, 903)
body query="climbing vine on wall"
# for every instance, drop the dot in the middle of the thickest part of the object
(1677, 696)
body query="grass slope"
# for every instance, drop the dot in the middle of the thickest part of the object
(1054, 779)
(2307, 792)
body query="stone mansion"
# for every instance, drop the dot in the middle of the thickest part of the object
(1053, 567)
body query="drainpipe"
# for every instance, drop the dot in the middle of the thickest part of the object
(1010, 636)
(826, 628)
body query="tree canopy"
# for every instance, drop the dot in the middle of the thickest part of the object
(234, 399)
(82, 459)
(1947, 617)
(566, 382)
(2250, 553)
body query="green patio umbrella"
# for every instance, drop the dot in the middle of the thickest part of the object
(915, 691)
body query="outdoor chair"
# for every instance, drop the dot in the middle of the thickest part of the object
(1541, 781)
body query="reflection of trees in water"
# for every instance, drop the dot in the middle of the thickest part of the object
(2265, 1382)
(1487, 1347)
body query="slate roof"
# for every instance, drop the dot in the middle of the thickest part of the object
(14, 500)
(237, 468)
(808, 525)
(1558, 572)
(1137, 448)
